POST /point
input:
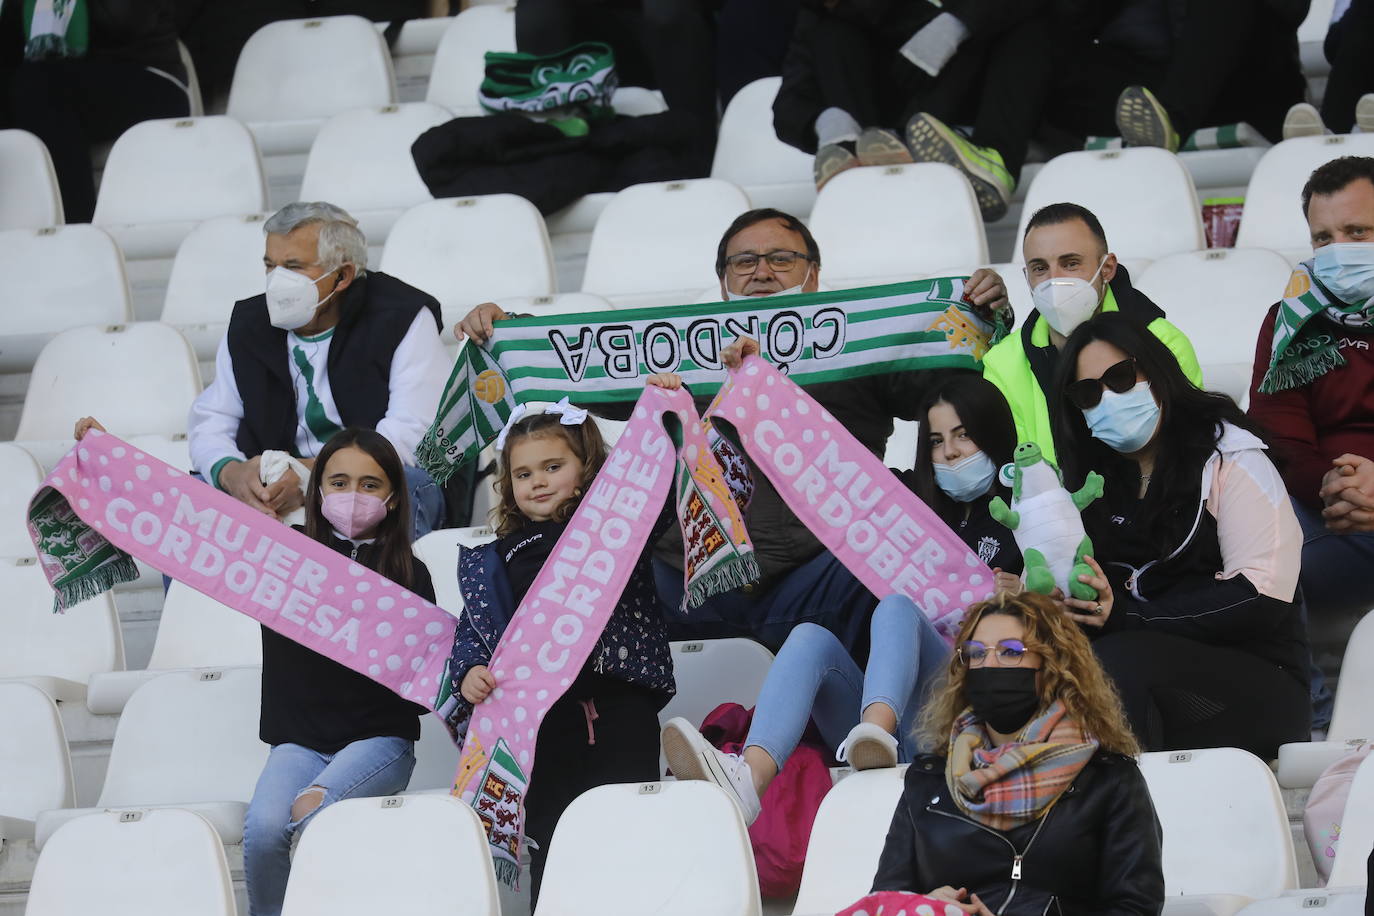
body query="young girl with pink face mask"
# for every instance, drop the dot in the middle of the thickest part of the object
(334, 733)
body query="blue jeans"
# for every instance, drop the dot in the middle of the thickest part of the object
(814, 677)
(1338, 590)
(371, 767)
(427, 506)
(820, 591)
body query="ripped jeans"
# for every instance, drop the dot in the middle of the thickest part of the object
(370, 767)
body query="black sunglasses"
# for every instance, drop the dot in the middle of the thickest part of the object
(1086, 393)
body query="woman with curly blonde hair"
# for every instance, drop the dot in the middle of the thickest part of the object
(1034, 803)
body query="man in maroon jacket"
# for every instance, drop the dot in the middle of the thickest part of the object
(1313, 390)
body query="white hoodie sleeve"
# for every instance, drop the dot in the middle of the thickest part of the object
(419, 369)
(213, 424)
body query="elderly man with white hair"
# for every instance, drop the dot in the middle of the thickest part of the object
(328, 345)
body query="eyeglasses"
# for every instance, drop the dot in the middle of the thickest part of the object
(747, 262)
(1086, 393)
(1010, 652)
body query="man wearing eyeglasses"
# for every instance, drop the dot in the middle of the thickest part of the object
(1073, 276)
(767, 252)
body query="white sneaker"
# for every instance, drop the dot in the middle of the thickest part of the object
(868, 747)
(1303, 120)
(1364, 113)
(691, 756)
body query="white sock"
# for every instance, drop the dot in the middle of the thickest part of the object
(933, 46)
(835, 125)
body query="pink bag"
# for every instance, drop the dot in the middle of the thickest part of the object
(789, 805)
(900, 903)
(1321, 819)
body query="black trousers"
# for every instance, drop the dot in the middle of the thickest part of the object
(72, 104)
(1231, 61)
(997, 81)
(1181, 694)
(573, 755)
(666, 45)
(1350, 49)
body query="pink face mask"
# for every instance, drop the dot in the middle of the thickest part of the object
(352, 514)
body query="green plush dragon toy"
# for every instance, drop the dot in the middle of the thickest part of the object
(1044, 518)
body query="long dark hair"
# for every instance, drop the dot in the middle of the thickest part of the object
(584, 441)
(391, 546)
(986, 418)
(1189, 428)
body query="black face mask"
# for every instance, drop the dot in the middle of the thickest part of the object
(1003, 698)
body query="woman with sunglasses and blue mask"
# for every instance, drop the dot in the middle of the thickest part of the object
(866, 712)
(1031, 801)
(1198, 611)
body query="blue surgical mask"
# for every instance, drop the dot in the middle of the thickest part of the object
(1127, 421)
(1347, 270)
(968, 479)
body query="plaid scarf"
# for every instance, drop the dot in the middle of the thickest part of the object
(1296, 360)
(1005, 787)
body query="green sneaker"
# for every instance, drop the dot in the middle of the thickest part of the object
(880, 146)
(931, 140)
(831, 160)
(1143, 121)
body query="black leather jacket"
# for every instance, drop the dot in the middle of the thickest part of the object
(1097, 851)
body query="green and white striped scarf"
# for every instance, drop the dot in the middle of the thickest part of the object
(577, 80)
(1297, 359)
(55, 28)
(606, 357)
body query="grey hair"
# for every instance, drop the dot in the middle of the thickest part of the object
(341, 241)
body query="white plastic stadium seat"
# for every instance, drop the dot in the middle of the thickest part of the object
(669, 848)
(1311, 37)
(438, 550)
(361, 161)
(1202, 794)
(133, 863)
(1357, 831)
(1352, 719)
(1273, 202)
(1336, 903)
(749, 153)
(460, 62)
(53, 279)
(21, 475)
(877, 225)
(57, 653)
(637, 101)
(295, 74)
(1218, 298)
(900, 452)
(194, 631)
(164, 176)
(29, 196)
(186, 739)
(431, 849)
(710, 672)
(412, 54)
(847, 839)
(219, 263)
(136, 378)
(33, 757)
(1143, 197)
(654, 243)
(468, 250)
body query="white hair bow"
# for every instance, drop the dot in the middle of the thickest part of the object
(568, 416)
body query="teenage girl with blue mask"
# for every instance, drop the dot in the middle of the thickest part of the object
(867, 715)
(1198, 550)
(334, 733)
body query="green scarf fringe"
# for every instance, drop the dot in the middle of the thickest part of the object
(95, 583)
(433, 458)
(739, 572)
(1294, 373)
(507, 872)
